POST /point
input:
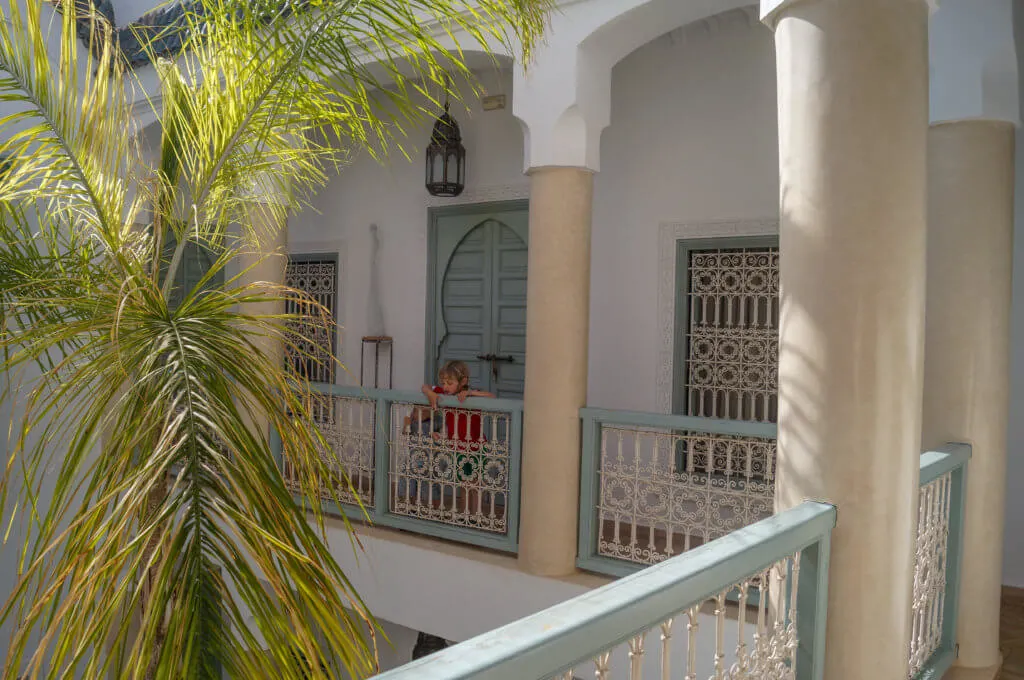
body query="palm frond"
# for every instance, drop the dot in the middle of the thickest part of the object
(169, 546)
(265, 91)
(66, 135)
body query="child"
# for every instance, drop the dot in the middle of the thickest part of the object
(457, 429)
(454, 379)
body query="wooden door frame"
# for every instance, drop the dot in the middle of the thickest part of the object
(433, 215)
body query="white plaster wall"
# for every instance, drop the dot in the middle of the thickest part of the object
(397, 649)
(693, 139)
(442, 592)
(392, 196)
(689, 142)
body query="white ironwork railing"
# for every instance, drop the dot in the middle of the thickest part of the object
(451, 473)
(693, 616)
(451, 465)
(937, 556)
(347, 425)
(654, 486)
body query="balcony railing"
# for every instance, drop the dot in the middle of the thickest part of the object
(452, 473)
(691, 496)
(939, 551)
(675, 619)
(654, 486)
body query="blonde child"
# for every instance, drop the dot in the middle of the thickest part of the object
(454, 381)
(457, 429)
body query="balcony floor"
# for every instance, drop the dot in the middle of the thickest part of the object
(1011, 634)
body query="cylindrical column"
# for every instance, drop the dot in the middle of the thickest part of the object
(557, 327)
(967, 349)
(853, 118)
(266, 264)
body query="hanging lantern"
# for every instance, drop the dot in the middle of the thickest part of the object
(446, 157)
(427, 644)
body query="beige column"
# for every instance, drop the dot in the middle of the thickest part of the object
(266, 264)
(967, 349)
(853, 117)
(557, 327)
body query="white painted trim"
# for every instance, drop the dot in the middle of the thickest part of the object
(668, 234)
(770, 9)
(492, 194)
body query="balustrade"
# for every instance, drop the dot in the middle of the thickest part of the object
(452, 472)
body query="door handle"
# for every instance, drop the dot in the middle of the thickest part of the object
(494, 359)
(508, 358)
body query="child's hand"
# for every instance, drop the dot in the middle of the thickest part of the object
(462, 395)
(432, 398)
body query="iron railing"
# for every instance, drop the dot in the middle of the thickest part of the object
(452, 473)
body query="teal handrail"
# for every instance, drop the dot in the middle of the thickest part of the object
(951, 459)
(380, 512)
(741, 428)
(415, 397)
(594, 420)
(571, 633)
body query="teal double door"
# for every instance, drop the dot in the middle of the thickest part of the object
(477, 306)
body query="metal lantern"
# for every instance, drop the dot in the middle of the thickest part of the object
(446, 157)
(427, 644)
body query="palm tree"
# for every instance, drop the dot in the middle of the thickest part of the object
(160, 538)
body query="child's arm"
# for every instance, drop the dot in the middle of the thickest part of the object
(474, 393)
(431, 395)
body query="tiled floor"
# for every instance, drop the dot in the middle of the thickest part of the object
(1011, 634)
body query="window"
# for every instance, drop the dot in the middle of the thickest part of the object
(313, 343)
(727, 329)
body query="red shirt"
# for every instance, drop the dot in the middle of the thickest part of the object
(460, 425)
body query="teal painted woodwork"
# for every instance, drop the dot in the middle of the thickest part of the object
(588, 557)
(812, 609)
(725, 359)
(477, 294)
(952, 458)
(570, 634)
(379, 513)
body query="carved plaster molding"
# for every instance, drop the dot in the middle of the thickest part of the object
(668, 234)
(491, 194)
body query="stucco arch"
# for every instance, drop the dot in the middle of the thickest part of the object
(568, 88)
(644, 20)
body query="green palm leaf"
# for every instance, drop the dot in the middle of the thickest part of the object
(162, 541)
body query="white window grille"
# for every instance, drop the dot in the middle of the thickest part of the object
(728, 332)
(310, 352)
